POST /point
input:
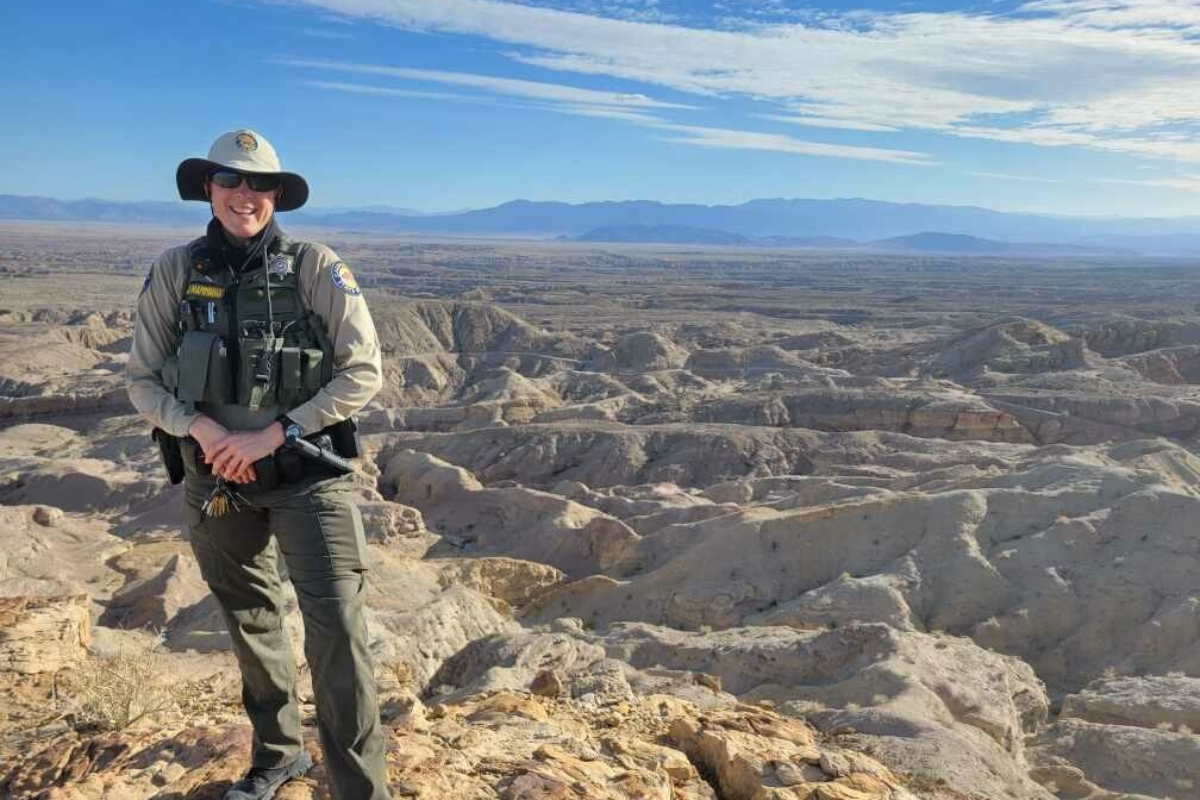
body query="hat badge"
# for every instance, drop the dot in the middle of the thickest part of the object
(246, 141)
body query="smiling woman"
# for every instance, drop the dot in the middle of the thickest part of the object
(242, 209)
(246, 339)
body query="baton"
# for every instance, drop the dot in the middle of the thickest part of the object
(319, 455)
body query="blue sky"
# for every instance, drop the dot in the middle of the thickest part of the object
(1061, 106)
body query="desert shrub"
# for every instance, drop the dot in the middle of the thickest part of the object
(112, 691)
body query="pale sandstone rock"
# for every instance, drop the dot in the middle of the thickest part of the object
(515, 522)
(643, 351)
(1052, 561)
(155, 602)
(749, 361)
(757, 755)
(47, 516)
(514, 581)
(1152, 701)
(1014, 346)
(1131, 335)
(43, 634)
(386, 522)
(71, 556)
(956, 415)
(546, 683)
(1119, 758)
(427, 634)
(84, 484)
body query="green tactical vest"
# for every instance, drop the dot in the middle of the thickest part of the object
(230, 353)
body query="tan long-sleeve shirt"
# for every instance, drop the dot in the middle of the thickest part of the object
(328, 289)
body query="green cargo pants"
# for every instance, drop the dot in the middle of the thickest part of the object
(320, 534)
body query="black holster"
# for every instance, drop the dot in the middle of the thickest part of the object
(266, 474)
(344, 438)
(171, 455)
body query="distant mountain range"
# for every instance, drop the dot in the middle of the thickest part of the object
(924, 242)
(776, 223)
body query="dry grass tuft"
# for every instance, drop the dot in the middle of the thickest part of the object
(112, 691)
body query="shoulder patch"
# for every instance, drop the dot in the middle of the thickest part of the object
(146, 283)
(204, 291)
(343, 278)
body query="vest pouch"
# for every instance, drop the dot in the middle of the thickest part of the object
(314, 377)
(291, 368)
(196, 352)
(258, 371)
(291, 375)
(218, 390)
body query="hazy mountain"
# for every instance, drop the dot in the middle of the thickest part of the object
(667, 234)
(925, 242)
(774, 222)
(934, 242)
(381, 209)
(94, 210)
(860, 220)
(1172, 244)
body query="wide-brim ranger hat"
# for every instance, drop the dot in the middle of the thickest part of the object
(243, 151)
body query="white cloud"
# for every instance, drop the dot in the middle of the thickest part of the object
(753, 140)
(322, 33)
(1120, 14)
(1007, 177)
(536, 90)
(826, 122)
(634, 108)
(385, 91)
(1187, 183)
(1116, 75)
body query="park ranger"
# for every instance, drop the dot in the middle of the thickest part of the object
(245, 340)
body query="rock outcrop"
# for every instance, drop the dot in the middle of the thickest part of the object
(498, 745)
(43, 634)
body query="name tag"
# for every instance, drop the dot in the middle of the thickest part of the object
(205, 291)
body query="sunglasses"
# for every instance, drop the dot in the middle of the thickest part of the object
(228, 179)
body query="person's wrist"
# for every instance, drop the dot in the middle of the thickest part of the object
(198, 426)
(286, 422)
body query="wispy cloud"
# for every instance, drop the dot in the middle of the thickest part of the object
(1189, 183)
(637, 109)
(1171, 15)
(752, 140)
(515, 87)
(386, 91)
(1116, 75)
(577, 109)
(324, 33)
(1004, 176)
(827, 122)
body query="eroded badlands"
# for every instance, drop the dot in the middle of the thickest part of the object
(657, 524)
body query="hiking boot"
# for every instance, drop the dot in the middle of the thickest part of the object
(261, 783)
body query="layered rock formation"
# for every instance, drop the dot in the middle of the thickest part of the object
(805, 535)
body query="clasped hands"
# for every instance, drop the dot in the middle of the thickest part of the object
(232, 455)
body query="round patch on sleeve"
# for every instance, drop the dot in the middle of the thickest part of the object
(343, 278)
